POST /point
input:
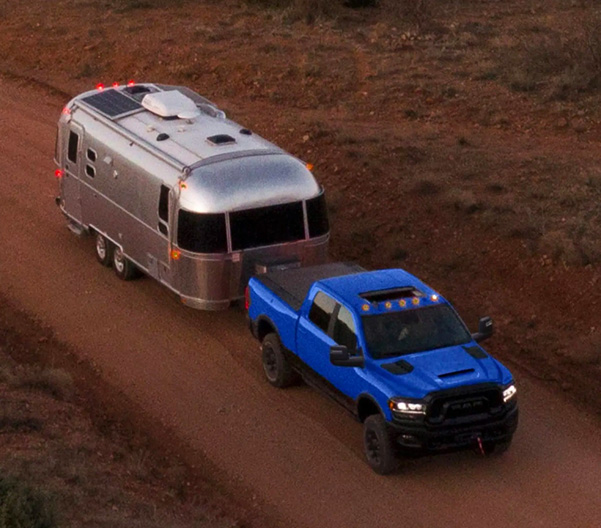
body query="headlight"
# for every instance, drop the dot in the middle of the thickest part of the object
(509, 392)
(405, 406)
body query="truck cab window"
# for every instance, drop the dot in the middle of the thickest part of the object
(73, 142)
(321, 311)
(344, 329)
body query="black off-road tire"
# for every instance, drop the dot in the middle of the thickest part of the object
(124, 268)
(275, 363)
(103, 249)
(379, 448)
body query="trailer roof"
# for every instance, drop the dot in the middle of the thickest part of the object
(187, 140)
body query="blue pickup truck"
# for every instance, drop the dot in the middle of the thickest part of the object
(389, 349)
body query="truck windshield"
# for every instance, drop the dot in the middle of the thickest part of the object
(399, 333)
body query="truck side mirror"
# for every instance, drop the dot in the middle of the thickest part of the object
(340, 357)
(485, 329)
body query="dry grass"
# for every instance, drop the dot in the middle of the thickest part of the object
(24, 507)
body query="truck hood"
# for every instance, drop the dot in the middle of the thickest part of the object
(415, 375)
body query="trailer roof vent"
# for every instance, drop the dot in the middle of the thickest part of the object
(170, 104)
(390, 295)
(221, 139)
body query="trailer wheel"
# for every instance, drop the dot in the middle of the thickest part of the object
(124, 268)
(379, 447)
(275, 364)
(104, 250)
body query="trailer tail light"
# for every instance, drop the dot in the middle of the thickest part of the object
(58, 174)
(247, 298)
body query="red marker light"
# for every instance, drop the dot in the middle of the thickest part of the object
(130, 83)
(115, 85)
(100, 87)
(66, 110)
(247, 298)
(58, 174)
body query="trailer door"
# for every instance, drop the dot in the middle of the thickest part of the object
(70, 191)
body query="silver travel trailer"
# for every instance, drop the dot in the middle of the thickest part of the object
(169, 186)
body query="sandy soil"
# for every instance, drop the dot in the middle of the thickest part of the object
(489, 194)
(291, 454)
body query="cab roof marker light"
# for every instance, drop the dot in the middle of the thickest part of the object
(415, 301)
(365, 307)
(388, 305)
(402, 303)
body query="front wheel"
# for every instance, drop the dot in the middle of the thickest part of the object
(124, 268)
(379, 447)
(275, 364)
(104, 250)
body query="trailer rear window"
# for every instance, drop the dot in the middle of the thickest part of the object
(317, 216)
(201, 233)
(265, 226)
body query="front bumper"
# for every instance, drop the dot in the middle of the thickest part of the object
(421, 436)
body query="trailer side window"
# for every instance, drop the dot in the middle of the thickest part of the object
(91, 154)
(90, 171)
(317, 216)
(321, 311)
(265, 226)
(73, 141)
(164, 210)
(201, 233)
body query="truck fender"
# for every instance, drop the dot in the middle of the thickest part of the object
(262, 326)
(366, 406)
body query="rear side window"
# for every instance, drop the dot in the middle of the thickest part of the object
(73, 141)
(265, 226)
(321, 311)
(201, 233)
(344, 329)
(317, 216)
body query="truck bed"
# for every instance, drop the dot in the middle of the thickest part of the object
(292, 285)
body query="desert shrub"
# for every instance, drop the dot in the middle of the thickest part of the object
(559, 247)
(56, 382)
(24, 507)
(560, 65)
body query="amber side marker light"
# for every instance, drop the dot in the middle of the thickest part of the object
(310, 166)
(175, 254)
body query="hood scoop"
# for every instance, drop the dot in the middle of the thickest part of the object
(398, 368)
(455, 373)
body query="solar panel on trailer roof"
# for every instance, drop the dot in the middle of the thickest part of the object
(112, 103)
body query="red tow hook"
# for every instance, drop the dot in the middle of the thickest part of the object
(480, 446)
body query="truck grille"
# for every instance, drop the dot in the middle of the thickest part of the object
(454, 405)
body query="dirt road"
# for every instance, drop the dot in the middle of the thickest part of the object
(296, 455)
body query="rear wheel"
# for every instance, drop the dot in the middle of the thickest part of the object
(379, 447)
(275, 363)
(104, 250)
(124, 268)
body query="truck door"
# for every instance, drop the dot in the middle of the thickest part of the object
(328, 323)
(70, 183)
